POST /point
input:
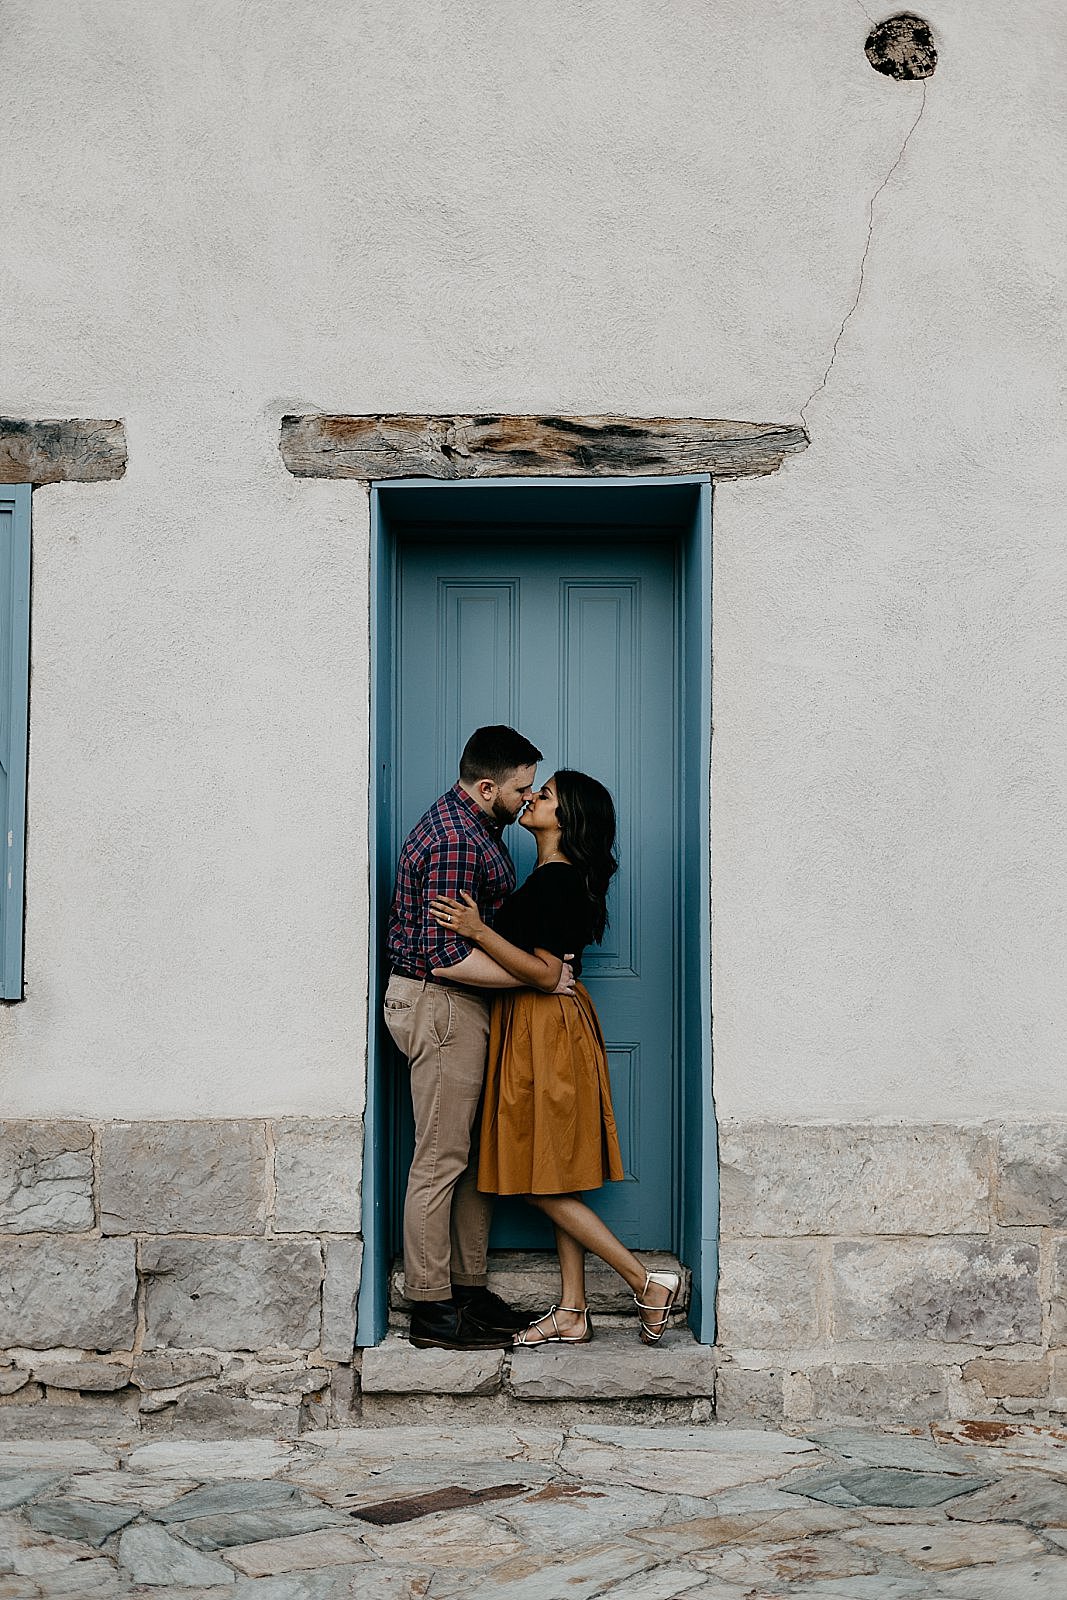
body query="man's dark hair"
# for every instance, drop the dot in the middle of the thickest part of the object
(495, 752)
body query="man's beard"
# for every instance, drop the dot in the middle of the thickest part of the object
(502, 815)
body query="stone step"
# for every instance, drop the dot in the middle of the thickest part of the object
(614, 1365)
(529, 1281)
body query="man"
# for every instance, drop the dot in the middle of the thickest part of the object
(442, 1025)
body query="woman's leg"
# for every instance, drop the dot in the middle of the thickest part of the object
(581, 1223)
(581, 1228)
(569, 1317)
(571, 1270)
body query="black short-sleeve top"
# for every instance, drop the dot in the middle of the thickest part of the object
(551, 911)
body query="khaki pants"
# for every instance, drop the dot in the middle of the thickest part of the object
(444, 1033)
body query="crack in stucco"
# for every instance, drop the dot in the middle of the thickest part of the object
(821, 385)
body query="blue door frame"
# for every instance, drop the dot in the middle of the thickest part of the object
(675, 508)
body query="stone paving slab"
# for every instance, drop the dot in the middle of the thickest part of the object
(32, 1554)
(787, 1563)
(562, 1515)
(706, 1441)
(874, 1448)
(943, 1549)
(452, 1539)
(55, 1455)
(80, 1519)
(1015, 1442)
(18, 1487)
(930, 1516)
(665, 1583)
(346, 1582)
(883, 1486)
(230, 1458)
(143, 1489)
(217, 1499)
(94, 1578)
(879, 1586)
(522, 1442)
(152, 1555)
(1020, 1497)
(676, 1460)
(247, 1527)
(1042, 1579)
(579, 1578)
(699, 1534)
(350, 1486)
(303, 1552)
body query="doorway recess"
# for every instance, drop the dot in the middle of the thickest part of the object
(673, 515)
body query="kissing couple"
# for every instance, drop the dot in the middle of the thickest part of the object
(508, 1068)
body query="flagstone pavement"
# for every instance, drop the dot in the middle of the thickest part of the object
(963, 1511)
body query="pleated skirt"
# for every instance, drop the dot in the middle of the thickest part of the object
(548, 1126)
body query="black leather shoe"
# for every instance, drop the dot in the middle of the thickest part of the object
(485, 1310)
(440, 1325)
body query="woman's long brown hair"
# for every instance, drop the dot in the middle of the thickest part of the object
(586, 814)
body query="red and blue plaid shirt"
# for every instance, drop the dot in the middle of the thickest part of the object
(454, 846)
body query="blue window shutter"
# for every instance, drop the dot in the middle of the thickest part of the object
(14, 711)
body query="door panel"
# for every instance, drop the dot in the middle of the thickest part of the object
(572, 640)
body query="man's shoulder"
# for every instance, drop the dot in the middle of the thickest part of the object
(443, 823)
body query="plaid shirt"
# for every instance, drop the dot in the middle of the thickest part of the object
(454, 846)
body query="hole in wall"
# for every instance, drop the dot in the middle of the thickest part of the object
(902, 47)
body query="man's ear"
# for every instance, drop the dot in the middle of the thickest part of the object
(487, 789)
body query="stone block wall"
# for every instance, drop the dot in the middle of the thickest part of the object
(898, 1272)
(163, 1273)
(202, 1276)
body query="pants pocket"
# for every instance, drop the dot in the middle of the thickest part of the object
(442, 1016)
(398, 1019)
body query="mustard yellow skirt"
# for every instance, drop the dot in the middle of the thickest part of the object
(547, 1124)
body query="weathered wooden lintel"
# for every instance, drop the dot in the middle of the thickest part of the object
(61, 450)
(320, 446)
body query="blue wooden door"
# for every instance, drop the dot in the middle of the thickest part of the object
(571, 639)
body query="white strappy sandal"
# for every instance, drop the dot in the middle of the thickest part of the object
(556, 1337)
(654, 1327)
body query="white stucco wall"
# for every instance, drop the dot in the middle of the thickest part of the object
(216, 214)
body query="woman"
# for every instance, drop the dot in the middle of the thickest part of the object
(548, 1129)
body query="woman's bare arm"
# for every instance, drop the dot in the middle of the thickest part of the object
(538, 969)
(478, 970)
